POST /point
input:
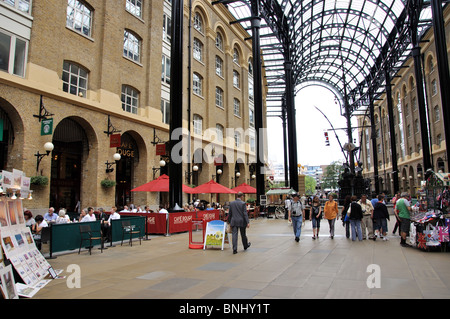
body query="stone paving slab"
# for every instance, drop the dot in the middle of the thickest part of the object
(275, 266)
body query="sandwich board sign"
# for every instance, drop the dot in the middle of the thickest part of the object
(215, 234)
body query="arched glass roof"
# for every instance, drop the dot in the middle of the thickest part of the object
(338, 43)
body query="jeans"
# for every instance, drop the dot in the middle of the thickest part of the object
(297, 225)
(355, 225)
(331, 224)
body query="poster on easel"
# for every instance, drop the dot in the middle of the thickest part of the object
(215, 235)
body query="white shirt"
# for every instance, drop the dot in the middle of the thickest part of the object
(89, 218)
(113, 216)
(163, 211)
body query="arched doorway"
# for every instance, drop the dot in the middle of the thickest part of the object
(6, 138)
(125, 169)
(71, 144)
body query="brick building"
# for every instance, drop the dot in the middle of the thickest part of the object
(407, 124)
(94, 63)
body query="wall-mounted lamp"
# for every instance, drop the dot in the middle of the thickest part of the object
(109, 165)
(48, 147)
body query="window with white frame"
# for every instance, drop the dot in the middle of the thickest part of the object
(167, 27)
(13, 53)
(236, 79)
(219, 66)
(198, 124)
(237, 139)
(251, 117)
(219, 41)
(197, 83)
(134, 7)
(219, 97)
(237, 107)
(165, 111)
(79, 17)
(236, 56)
(131, 46)
(433, 87)
(437, 113)
(130, 99)
(21, 5)
(252, 144)
(198, 50)
(198, 22)
(75, 79)
(165, 74)
(219, 132)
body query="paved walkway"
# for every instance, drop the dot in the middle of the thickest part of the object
(275, 266)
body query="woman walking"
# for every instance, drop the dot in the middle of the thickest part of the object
(331, 212)
(315, 216)
(345, 218)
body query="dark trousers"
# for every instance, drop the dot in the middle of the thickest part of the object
(234, 232)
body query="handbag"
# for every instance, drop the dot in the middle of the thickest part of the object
(228, 229)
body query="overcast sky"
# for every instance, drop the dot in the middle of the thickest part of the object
(311, 125)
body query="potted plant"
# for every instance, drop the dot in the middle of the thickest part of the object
(39, 180)
(107, 183)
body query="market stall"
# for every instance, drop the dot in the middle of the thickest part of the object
(430, 216)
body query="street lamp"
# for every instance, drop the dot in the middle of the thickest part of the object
(48, 147)
(109, 165)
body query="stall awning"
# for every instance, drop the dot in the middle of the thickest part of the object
(281, 191)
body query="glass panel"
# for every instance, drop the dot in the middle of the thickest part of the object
(19, 57)
(5, 47)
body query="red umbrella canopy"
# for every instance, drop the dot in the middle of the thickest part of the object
(245, 188)
(212, 187)
(160, 184)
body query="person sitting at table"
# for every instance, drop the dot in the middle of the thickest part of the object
(29, 220)
(89, 217)
(125, 209)
(62, 217)
(106, 225)
(50, 216)
(36, 230)
(162, 210)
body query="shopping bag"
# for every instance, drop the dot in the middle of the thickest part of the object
(412, 234)
(431, 236)
(443, 234)
(421, 241)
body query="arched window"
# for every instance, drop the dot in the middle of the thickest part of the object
(79, 17)
(75, 79)
(198, 50)
(197, 84)
(236, 56)
(198, 23)
(130, 99)
(131, 46)
(219, 97)
(219, 41)
(198, 124)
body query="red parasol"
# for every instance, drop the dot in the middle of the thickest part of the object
(245, 188)
(212, 187)
(160, 184)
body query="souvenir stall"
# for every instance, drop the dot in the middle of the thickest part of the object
(430, 216)
(23, 269)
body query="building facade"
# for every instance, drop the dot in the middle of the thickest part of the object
(407, 124)
(101, 67)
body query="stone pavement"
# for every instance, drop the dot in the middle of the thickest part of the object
(275, 266)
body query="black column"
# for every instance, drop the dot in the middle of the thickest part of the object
(443, 67)
(258, 102)
(285, 147)
(414, 10)
(292, 129)
(176, 105)
(390, 108)
(374, 145)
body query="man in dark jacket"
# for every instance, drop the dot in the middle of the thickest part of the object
(355, 216)
(380, 217)
(238, 219)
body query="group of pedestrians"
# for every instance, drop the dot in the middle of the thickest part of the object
(365, 219)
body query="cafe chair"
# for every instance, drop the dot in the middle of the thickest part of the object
(127, 228)
(87, 234)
